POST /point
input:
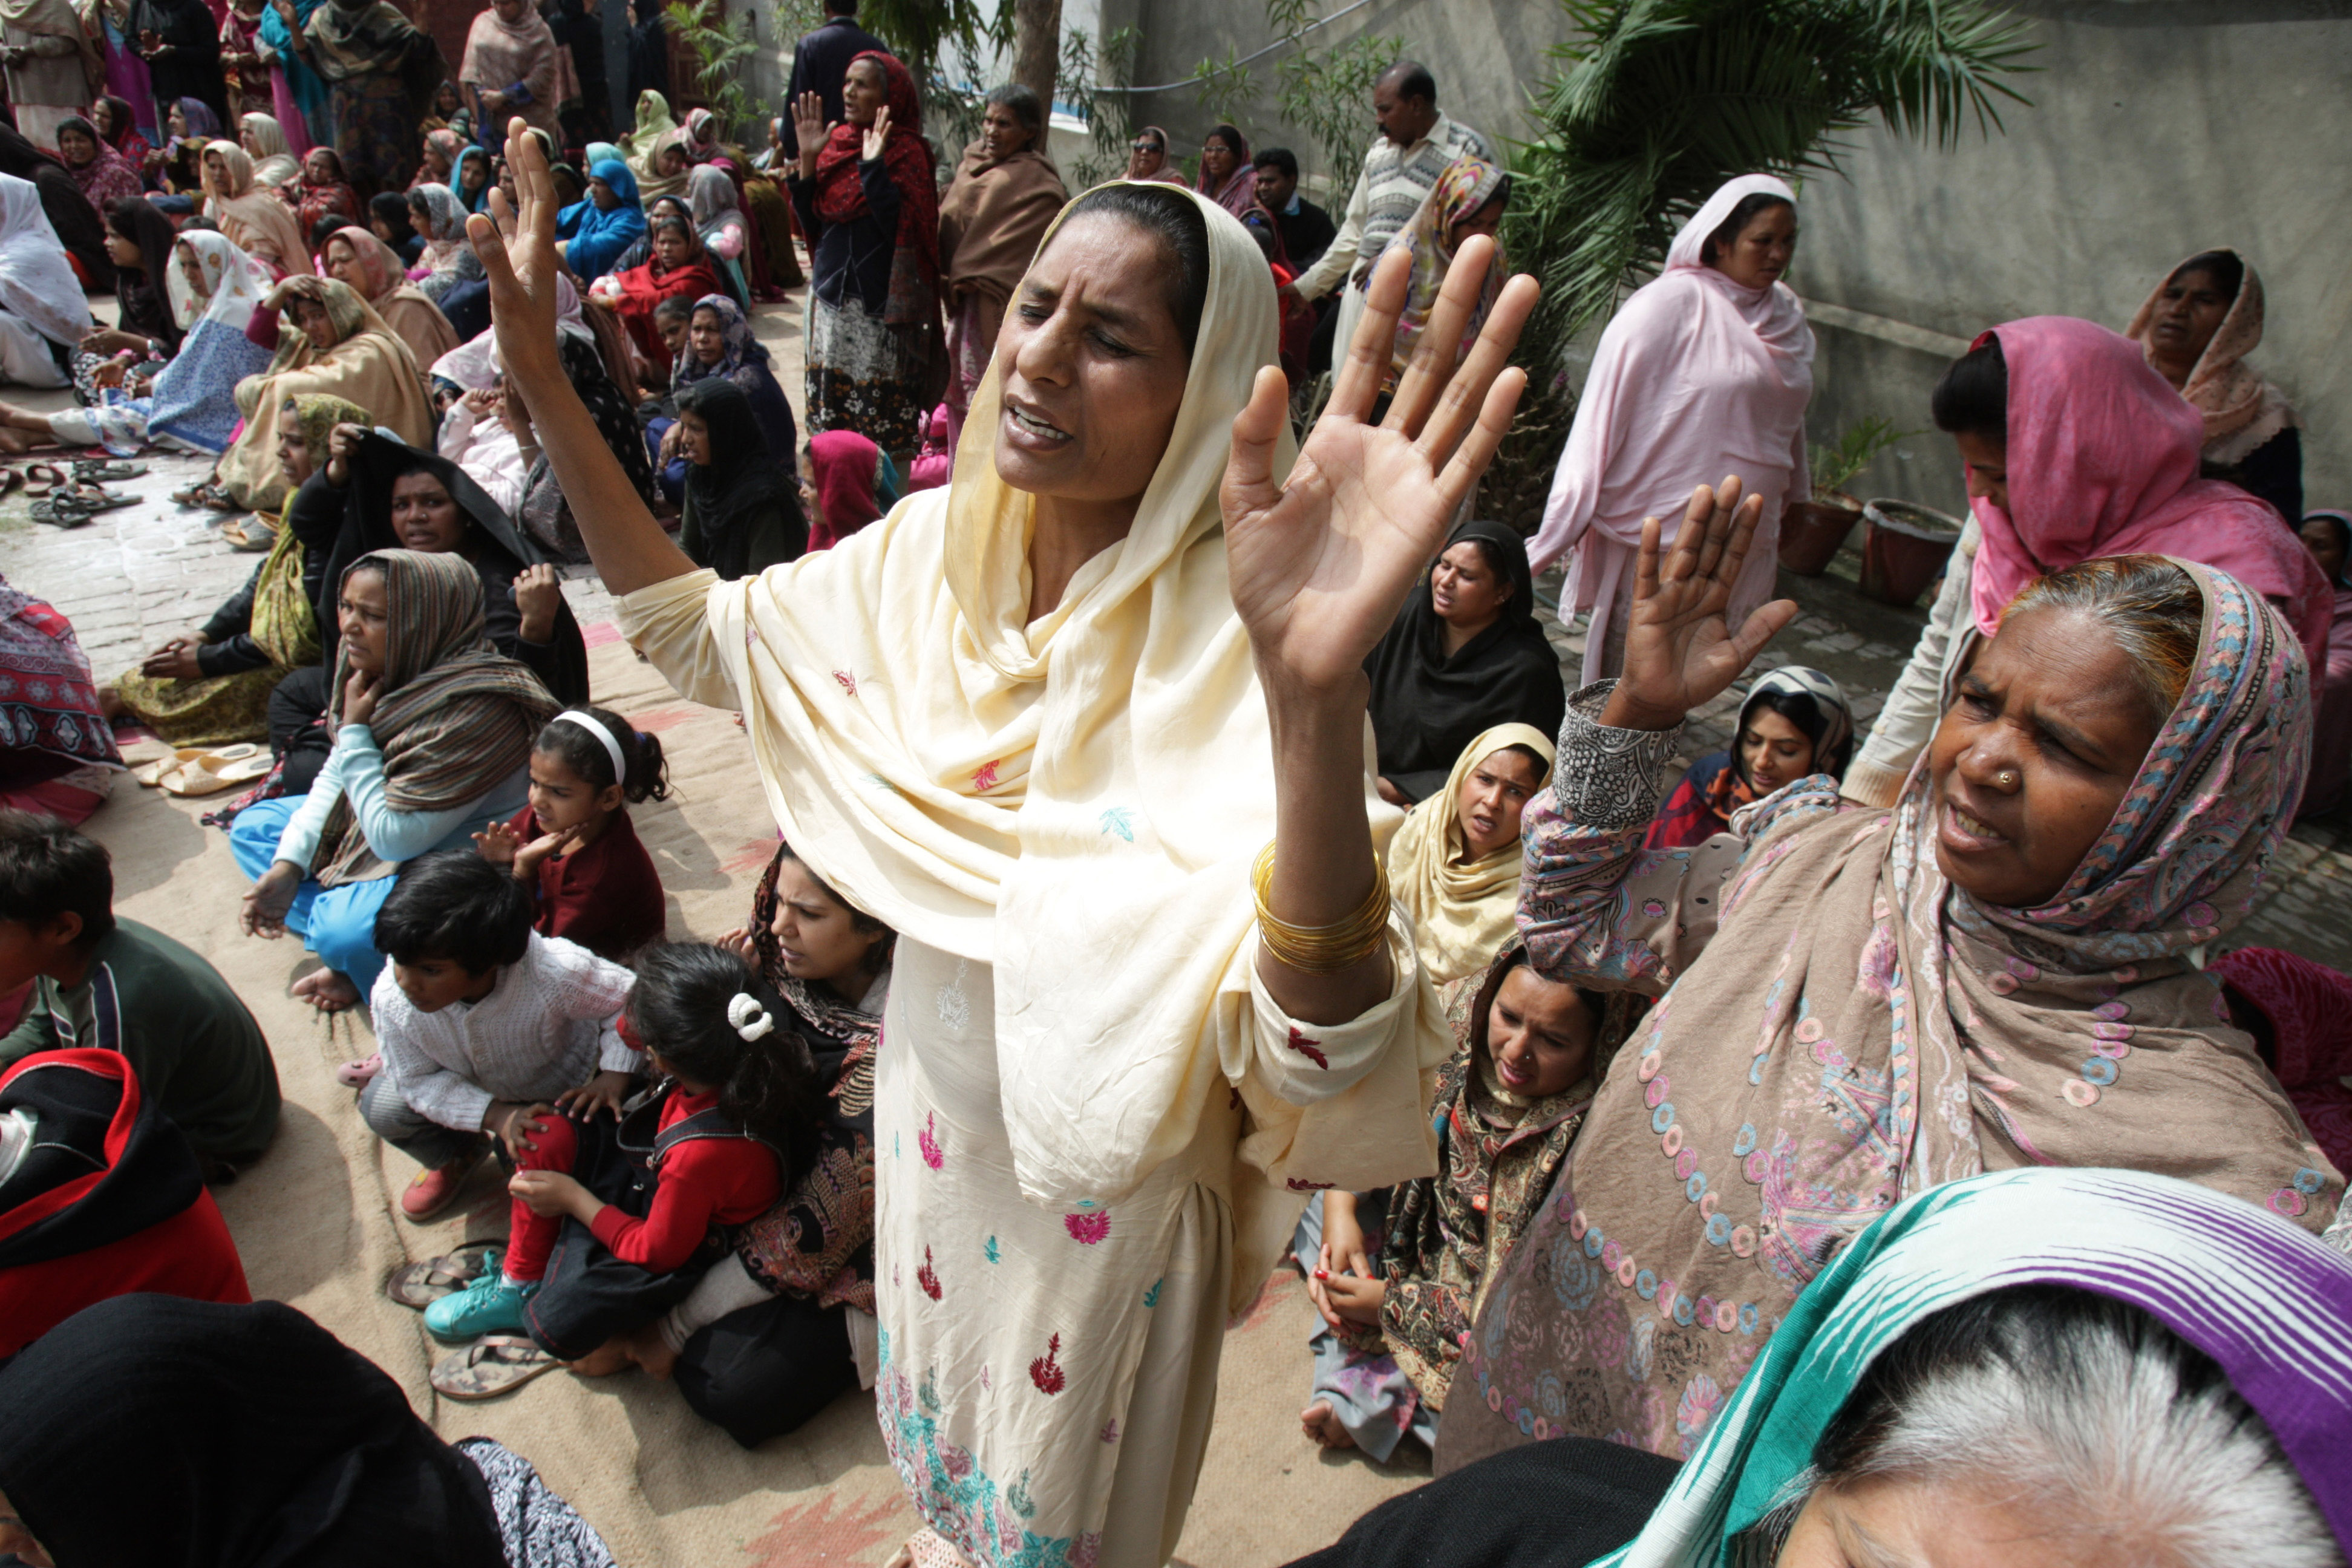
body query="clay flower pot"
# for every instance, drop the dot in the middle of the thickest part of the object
(1814, 531)
(1903, 548)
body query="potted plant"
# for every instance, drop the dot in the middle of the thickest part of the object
(1814, 530)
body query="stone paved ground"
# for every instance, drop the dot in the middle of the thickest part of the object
(135, 576)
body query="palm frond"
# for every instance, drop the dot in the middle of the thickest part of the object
(1655, 103)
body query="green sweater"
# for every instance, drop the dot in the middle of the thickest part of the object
(198, 1050)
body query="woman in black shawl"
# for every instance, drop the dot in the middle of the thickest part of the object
(143, 290)
(346, 510)
(544, 513)
(180, 41)
(1466, 653)
(78, 225)
(150, 1429)
(742, 505)
(345, 522)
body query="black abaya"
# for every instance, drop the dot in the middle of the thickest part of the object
(150, 1429)
(1426, 707)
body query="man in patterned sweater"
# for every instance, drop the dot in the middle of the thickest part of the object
(1417, 141)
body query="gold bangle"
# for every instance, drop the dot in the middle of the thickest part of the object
(1322, 950)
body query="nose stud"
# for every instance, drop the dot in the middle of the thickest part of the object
(2006, 778)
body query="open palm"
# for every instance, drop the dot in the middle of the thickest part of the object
(1320, 563)
(1681, 650)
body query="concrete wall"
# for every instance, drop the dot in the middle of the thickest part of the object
(2158, 128)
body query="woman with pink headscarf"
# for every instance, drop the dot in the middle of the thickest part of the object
(1705, 371)
(2075, 448)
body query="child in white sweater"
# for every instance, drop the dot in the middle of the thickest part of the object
(475, 1052)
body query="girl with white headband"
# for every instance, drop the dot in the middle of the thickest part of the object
(615, 1221)
(573, 845)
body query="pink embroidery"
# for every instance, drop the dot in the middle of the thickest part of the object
(1089, 1228)
(1296, 1185)
(1046, 1371)
(1110, 1430)
(930, 1146)
(984, 1375)
(848, 681)
(926, 1277)
(984, 779)
(1305, 1047)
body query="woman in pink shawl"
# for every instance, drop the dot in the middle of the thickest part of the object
(2327, 534)
(1227, 177)
(2075, 448)
(1705, 371)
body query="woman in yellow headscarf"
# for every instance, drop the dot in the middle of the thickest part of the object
(1455, 861)
(1053, 723)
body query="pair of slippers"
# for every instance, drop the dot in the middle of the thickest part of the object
(493, 1364)
(200, 771)
(73, 495)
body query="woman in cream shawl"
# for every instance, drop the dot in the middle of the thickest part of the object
(1021, 720)
(263, 141)
(332, 343)
(255, 221)
(1700, 374)
(1455, 862)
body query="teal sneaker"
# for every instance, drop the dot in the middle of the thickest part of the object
(489, 1304)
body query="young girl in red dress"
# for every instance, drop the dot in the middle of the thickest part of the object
(616, 1217)
(574, 846)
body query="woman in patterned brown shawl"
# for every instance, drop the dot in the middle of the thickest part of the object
(1508, 1105)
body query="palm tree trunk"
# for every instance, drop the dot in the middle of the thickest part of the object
(1037, 45)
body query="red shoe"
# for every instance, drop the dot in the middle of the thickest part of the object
(436, 1188)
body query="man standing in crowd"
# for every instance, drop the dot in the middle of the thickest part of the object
(1417, 141)
(1307, 229)
(821, 63)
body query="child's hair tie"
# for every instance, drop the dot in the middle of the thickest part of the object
(751, 1020)
(612, 747)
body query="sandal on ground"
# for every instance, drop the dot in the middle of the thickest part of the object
(59, 512)
(204, 492)
(55, 477)
(150, 775)
(419, 1285)
(95, 469)
(254, 533)
(209, 772)
(492, 1365)
(9, 479)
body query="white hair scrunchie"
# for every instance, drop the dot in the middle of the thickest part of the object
(751, 1020)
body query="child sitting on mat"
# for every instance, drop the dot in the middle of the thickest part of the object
(484, 1025)
(574, 846)
(613, 1224)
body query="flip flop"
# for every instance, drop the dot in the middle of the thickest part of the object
(61, 511)
(419, 1285)
(97, 497)
(98, 469)
(492, 1365)
(249, 533)
(9, 479)
(33, 472)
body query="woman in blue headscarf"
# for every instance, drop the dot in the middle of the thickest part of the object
(598, 229)
(470, 179)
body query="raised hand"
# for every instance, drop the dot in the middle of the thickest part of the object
(516, 246)
(1320, 565)
(808, 129)
(877, 136)
(1680, 650)
(497, 844)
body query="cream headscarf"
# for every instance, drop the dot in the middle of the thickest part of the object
(1076, 801)
(1462, 914)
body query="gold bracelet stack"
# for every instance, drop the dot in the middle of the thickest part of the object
(1322, 950)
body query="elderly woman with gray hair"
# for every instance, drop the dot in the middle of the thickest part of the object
(2091, 1366)
(1005, 193)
